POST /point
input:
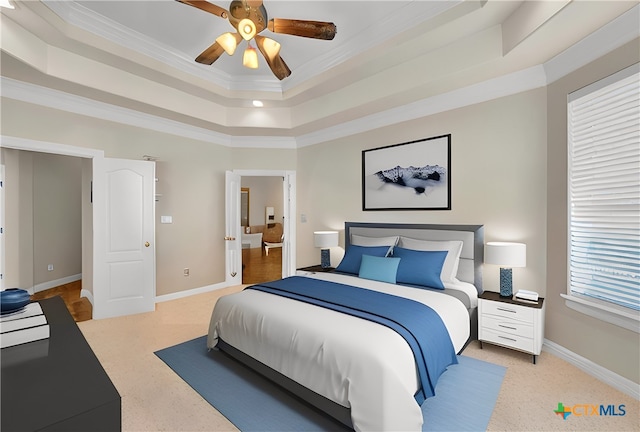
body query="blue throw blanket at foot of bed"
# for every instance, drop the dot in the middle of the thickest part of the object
(420, 325)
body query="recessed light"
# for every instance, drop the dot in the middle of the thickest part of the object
(258, 104)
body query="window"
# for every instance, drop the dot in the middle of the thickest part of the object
(604, 198)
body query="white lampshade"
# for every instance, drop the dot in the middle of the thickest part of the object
(506, 254)
(325, 239)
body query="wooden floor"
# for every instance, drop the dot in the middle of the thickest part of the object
(80, 308)
(257, 267)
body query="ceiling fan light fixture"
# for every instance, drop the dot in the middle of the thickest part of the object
(271, 48)
(228, 42)
(247, 29)
(250, 58)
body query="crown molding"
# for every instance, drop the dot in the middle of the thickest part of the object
(613, 35)
(412, 15)
(495, 88)
(604, 40)
(492, 89)
(84, 18)
(50, 98)
(409, 16)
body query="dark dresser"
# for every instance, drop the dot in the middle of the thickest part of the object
(57, 384)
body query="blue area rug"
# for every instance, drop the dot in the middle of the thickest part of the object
(465, 395)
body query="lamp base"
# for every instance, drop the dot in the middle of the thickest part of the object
(506, 286)
(325, 258)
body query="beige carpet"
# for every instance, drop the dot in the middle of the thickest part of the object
(154, 398)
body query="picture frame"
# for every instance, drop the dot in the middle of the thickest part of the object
(414, 175)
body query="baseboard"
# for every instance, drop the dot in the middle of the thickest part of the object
(88, 294)
(603, 374)
(54, 283)
(188, 293)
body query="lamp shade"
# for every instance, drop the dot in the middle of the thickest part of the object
(325, 239)
(506, 254)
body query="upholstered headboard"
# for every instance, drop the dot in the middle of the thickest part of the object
(472, 236)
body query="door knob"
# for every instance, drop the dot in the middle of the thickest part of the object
(147, 244)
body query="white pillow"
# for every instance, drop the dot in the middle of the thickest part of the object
(453, 248)
(359, 240)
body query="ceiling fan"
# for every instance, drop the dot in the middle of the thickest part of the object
(249, 18)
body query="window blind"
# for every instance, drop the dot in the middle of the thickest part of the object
(604, 190)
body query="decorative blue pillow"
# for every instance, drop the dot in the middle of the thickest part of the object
(379, 268)
(353, 256)
(420, 267)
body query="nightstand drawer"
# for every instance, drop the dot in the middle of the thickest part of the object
(511, 311)
(509, 340)
(507, 326)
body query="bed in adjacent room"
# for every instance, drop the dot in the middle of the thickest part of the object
(366, 343)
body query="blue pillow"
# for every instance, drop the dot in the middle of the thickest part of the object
(379, 268)
(353, 256)
(420, 267)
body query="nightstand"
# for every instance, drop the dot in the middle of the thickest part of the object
(313, 269)
(511, 323)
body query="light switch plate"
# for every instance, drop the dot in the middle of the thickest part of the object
(166, 219)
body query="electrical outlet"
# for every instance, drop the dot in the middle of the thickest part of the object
(186, 272)
(50, 267)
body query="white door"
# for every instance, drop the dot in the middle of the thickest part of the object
(124, 240)
(289, 227)
(233, 236)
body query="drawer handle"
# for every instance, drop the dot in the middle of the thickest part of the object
(504, 326)
(506, 310)
(504, 337)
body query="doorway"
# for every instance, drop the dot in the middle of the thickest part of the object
(262, 228)
(46, 221)
(272, 209)
(130, 185)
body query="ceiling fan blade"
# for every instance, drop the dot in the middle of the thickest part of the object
(207, 7)
(309, 29)
(211, 54)
(275, 62)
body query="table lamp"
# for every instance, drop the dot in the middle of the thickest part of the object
(506, 255)
(325, 240)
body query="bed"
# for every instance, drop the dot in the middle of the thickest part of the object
(358, 369)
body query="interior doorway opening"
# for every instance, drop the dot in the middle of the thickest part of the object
(260, 225)
(262, 228)
(49, 212)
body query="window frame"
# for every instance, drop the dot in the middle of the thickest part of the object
(606, 311)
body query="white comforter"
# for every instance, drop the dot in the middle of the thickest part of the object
(354, 362)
